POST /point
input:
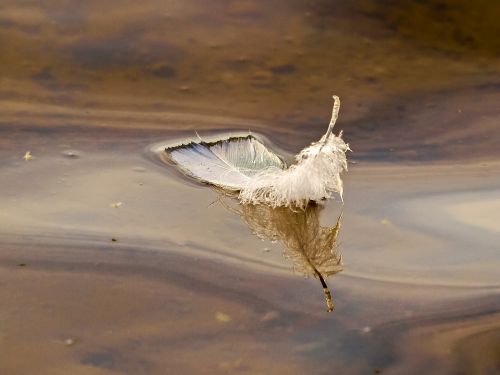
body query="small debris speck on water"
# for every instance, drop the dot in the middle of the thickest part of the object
(73, 154)
(21, 265)
(27, 156)
(116, 204)
(222, 318)
(114, 240)
(385, 221)
(269, 316)
(366, 329)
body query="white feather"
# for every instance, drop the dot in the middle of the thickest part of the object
(228, 163)
(244, 164)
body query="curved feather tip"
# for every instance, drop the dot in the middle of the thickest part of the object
(246, 165)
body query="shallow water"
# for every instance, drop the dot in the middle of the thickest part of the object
(171, 280)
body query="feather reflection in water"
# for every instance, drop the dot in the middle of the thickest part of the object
(312, 248)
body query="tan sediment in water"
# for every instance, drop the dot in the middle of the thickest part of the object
(483, 213)
(396, 236)
(403, 259)
(276, 64)
(65, 199)
(469, 345)
(169, 281)
(406, 212)
(83, 321)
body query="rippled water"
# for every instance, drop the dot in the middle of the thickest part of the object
(111, 262)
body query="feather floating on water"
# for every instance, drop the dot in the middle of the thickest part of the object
(247, 166)
(227, 163)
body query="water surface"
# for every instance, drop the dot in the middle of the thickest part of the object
(170, 280)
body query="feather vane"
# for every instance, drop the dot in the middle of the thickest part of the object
(227, 163)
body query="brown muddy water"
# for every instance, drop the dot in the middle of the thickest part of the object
(111, 262)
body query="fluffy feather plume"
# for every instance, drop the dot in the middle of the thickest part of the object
(315, 176)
